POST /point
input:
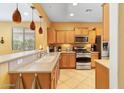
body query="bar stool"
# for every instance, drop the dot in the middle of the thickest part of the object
(35, 83)
(19, 82)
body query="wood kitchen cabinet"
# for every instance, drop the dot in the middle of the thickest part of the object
(94, 56)
(68, 60)
(65, 36)
(102, 77)
(92, 36)
(78, 31)
(51, 36)
(61, 36)
(55, 76)
(81, 31)
(105, 22)
(69, 36)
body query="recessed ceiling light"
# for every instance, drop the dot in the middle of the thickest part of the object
(71, 14)
(75, 4)
(26, 13)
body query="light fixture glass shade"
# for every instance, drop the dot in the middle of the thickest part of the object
(16, 17)
(32, 25)
(40, 30)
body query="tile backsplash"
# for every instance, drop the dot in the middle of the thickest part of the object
(66, 46)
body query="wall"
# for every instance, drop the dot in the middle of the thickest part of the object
(113, 29)
(121, 47)
(72, 25)
(6, 32)
(4, 77)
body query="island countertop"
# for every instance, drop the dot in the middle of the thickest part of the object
(104, 62)
(45, 64)
(13, 56)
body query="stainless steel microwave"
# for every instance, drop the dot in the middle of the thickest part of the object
(81, 39)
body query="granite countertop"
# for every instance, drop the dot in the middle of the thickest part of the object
(104, 62)
(68, 52)
(45, 64)
(94, 52)
(13, 56)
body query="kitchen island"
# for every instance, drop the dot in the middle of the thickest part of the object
(102, 74)
(42, 73)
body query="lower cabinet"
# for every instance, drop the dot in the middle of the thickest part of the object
(29, 80)
(68, 60)
(102, 77)
(55, 76)
(94, 56)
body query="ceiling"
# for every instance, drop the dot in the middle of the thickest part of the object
(7, 9)
(82, 12)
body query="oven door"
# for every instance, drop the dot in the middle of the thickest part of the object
(83, 61)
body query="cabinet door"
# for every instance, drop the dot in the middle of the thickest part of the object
(102, 77)
(51, 34)
(60, 36)
(92, 36)
(68, 60)
(72, 60)
(78, 31)
(63, 63)
(94, 56)
(53, 83)
(84, 32)
(69, 36)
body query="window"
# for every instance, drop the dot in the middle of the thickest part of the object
(23, 39)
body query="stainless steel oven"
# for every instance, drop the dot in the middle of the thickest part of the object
(83, 59)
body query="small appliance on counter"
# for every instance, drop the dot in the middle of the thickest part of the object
(93, 47)
(59, 49)
(51, 48)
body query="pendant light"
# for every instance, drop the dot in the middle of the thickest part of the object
(32, 24)
(16, 17)
(40, 29)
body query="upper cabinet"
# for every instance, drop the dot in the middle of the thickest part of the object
(66, 36)
(69, 36)
(80, 31)
(105, 22)
(60, 36)
(92, 36)
(51, 36)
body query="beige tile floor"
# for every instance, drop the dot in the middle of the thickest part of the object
(76, 79)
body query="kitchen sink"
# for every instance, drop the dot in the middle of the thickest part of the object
(46, 59)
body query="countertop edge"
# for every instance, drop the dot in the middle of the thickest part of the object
(37, 71)
(103, 62)
(22, 54)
